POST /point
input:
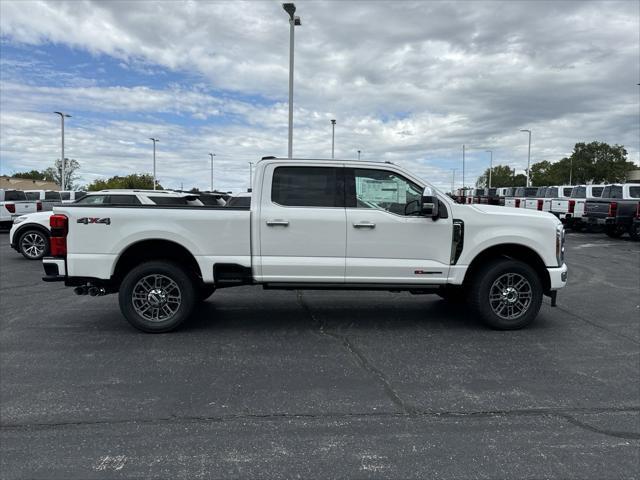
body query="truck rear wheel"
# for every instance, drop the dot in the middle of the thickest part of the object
(634, 231)
(507, 294)
(157, 296)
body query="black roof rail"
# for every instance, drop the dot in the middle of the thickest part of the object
(268, 157)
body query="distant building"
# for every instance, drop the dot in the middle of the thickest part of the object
(11, 183)
(633, 176)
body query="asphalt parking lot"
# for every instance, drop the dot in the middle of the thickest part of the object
(271, 384)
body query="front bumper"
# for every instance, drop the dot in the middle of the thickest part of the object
(557, 277)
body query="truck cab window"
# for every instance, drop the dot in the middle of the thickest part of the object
(307, 187)
(387, 191)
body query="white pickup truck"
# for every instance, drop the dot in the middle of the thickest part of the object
(312, 224)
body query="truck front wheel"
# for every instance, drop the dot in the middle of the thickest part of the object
(157, 296)
(507, 294)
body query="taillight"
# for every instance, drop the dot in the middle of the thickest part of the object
(11, 208)
(572, 206)
(39, 206)
(540, 203)
(59, 229)
(638, 210)
(517, 203)
(613, 209)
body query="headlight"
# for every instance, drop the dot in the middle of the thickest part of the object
(20, 219)
(560, 244)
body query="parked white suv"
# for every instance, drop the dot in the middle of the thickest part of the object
(29, 234)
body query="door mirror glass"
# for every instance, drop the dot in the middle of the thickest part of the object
(430, 203)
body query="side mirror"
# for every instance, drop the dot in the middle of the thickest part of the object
(429, 204)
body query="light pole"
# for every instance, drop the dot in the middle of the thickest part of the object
(212, 155)
(251, 175)
(490, 165)
(528, 156)
(570, 169)
(63, 182)
(333, 137)
(453, 179)
(358, 154)
(154, 140)
(294, 21)
(463, 154)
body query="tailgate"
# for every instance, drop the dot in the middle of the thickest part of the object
(596, 209)
(559, 206)
(22, 208)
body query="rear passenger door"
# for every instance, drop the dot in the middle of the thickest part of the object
(302, 224)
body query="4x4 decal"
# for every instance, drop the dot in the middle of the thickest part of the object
(88, 220)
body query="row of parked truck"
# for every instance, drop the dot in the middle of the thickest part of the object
(615, 208)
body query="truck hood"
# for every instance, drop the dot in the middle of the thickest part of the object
(511, 212)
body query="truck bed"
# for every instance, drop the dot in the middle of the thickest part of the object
(210, 234)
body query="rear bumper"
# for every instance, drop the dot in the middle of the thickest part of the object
(55, 269)
(558, 277)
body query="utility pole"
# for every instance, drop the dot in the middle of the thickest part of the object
(453, 179)
(212, 155)
(358, 154)
(63, 180)
(294, 21)
(154, 140)
(528, 157)
(333, 137)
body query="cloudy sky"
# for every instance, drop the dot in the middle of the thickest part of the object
(408, 82)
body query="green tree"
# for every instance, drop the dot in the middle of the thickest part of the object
(142, 181)
(597, 162)
(501, 176)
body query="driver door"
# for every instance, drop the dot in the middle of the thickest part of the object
(388, 241)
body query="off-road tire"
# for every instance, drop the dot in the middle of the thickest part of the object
(175, 287)
(483, 283)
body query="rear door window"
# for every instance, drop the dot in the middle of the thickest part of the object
(52, 196)
(308, 187)
(168, 200)
(14, 196)
(123, 200)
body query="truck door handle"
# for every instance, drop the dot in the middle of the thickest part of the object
(364, 225)
(277, 223)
